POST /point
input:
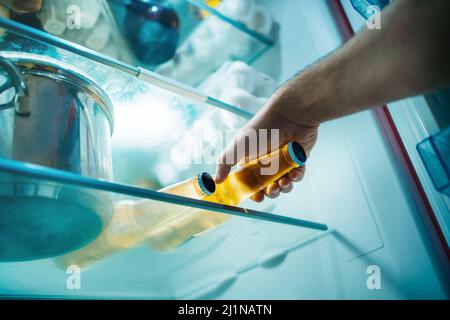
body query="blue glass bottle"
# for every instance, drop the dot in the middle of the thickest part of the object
(152, 28)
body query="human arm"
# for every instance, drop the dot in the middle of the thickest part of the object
(407, 56)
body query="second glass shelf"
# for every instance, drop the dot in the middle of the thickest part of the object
(15, 169)
(154, 272)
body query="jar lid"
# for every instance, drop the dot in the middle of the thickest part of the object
(60, 71)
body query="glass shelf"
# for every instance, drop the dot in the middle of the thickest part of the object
(12, 168)
(262, 21)
(154, 273)
(185, 40)
(153, 125)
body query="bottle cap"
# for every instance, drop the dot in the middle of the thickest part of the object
(206, 183)
(297, 153)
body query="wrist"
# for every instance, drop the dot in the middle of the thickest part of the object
(307, 99)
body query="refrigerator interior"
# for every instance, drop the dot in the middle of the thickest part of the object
(353, 184)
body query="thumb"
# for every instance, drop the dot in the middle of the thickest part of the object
(222, 171)
(235, 152)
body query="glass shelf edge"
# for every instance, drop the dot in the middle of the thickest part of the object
(136, 71)
(242, 27)
(40, 172)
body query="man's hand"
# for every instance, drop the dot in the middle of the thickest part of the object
(279, 114)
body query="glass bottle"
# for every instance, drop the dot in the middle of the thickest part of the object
(241, 184)
(258, 174)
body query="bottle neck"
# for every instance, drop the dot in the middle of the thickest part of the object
(197, 187)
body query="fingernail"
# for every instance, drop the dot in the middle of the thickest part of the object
(284, 183)
(295, 176)
(285, 187)
(275, 191)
